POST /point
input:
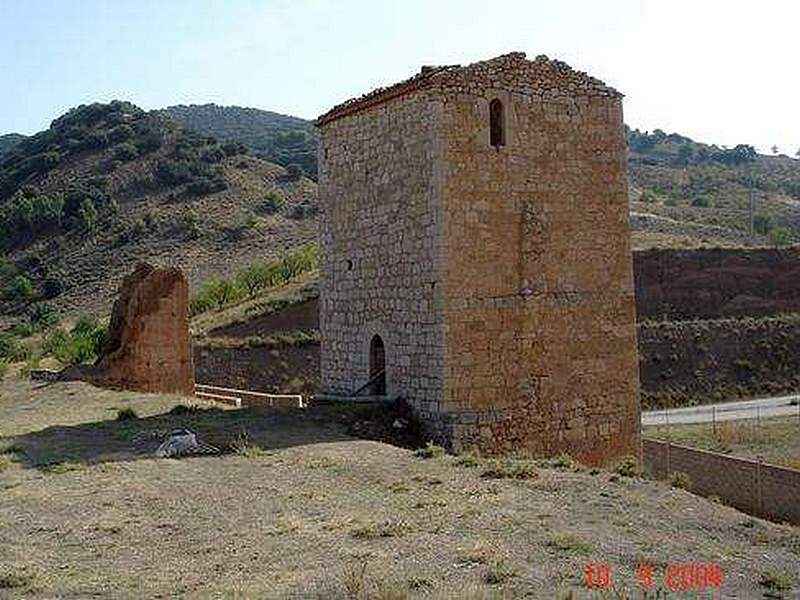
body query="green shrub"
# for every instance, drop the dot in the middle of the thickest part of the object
(498, 572)
(244, 447)
(568, 543)
(273, 203)
(628, 466)
(304, 210)
(648, 197)
(173, 172)
(200, 186)
(121, 133)
(126, 152)
(84, 343)
(87, 215)
(775, 583)
(680, 480)
(189, 224)
(780, 236)
(561, 461)
(21, 289)
(430, 450)
(468, 459)
(126, 414)
(11, 349)
(42, 316)
(510, 468)
(294, 172)
(217, 294)
(762, 224)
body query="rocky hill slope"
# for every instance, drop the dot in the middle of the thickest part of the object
(278, 138)
(8, 141)
(108, 185)
(683, 193)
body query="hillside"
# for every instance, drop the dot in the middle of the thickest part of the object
(687, 193)
(108, 185)
(683, 193)
(275, 137)
(8, 141)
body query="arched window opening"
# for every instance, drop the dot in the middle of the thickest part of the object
(497, 123)
(377, 366)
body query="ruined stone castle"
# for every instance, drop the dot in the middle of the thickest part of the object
(476, 257)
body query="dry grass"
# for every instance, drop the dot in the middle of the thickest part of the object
(327, 514)
(244, 447)
(510, 468)
(774, 440)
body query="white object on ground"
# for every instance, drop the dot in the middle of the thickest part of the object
(183, 442)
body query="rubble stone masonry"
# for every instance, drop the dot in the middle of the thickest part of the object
(497, 275)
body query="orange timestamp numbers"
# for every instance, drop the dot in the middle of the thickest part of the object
(676, 577)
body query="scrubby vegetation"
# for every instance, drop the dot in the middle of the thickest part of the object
(218, 293)
(118, 132)
(281, 139)
(696, 183)
(110, 184)
(81, 344)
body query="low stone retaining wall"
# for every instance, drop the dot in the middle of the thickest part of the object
(753, 487)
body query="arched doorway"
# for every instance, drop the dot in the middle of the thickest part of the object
(377, 366)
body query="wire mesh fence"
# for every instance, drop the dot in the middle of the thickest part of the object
(760, 430)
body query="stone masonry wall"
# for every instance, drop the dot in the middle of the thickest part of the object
(499, 278)
(379, 249)
(538, 294)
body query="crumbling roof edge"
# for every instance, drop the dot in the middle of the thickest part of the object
(382, 94)
(429, 74)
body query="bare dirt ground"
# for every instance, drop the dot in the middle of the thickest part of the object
(297, 507)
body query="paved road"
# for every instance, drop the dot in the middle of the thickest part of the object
(726, 411)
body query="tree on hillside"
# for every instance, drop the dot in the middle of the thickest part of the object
(685, 154)
(797, 154)
(774, 149)
(780, 236)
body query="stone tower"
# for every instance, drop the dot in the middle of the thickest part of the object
(477, 260)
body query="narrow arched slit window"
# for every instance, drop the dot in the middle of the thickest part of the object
(377, 366)
(497, 123)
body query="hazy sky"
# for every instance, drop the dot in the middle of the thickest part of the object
(721, 71)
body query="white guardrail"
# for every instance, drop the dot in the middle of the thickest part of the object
(237, 397)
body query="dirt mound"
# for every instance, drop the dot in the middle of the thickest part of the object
(716, 283)
(303, 316)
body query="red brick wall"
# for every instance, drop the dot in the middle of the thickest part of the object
(760, 489)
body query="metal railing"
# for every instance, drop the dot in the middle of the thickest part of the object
(239, 397)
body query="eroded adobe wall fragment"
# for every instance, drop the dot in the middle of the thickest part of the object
(149, 346)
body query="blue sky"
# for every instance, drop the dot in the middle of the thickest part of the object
(721, 71)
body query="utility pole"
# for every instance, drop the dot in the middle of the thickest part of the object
(752, 211)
